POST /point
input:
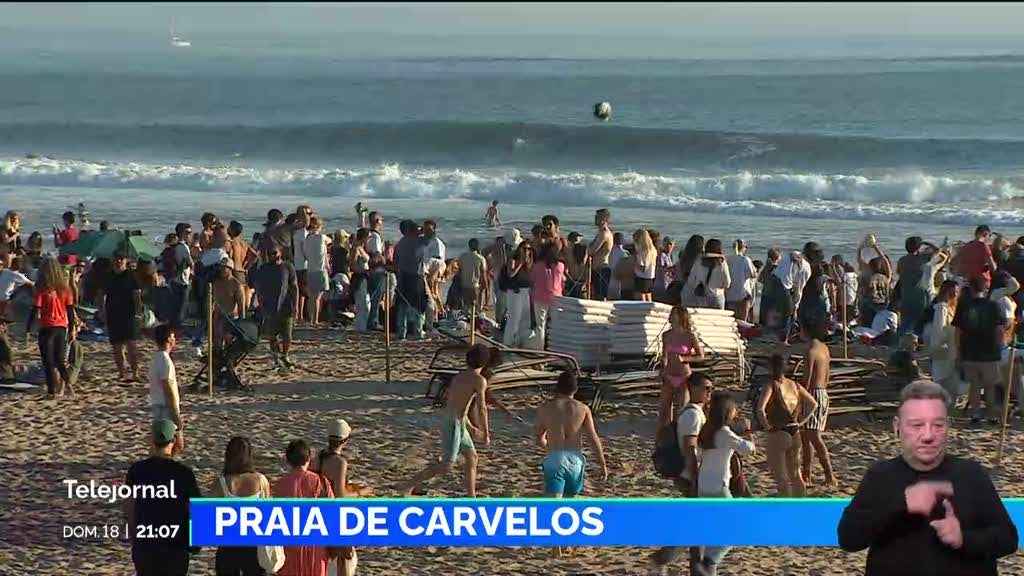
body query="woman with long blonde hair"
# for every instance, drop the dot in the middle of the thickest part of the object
(55, 305)
(645, 267)
(679, 347)
(10, 236)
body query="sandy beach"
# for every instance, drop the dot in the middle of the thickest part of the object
(101, 432)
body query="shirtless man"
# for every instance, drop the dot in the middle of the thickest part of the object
(228, 297)
(549, 224)
(561, 424)
(493, 220)
(243, 256)
(599, 250)
(456, 424)
(816, 379)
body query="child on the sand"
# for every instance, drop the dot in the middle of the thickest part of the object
(456, 424)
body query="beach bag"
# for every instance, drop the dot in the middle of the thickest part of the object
(738, 486)
(270, 558)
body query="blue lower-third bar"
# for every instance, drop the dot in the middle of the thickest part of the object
(522, 522)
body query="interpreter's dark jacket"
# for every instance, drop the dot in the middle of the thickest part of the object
(903, 544)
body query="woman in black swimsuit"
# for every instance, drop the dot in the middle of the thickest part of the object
(779, 411)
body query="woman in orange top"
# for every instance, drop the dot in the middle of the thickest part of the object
(55, 304)
(302, 483)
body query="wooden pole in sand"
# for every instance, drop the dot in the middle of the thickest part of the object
(209, 337)
(846, 322)
(588, 285)
(387, 327)
(1006, 405)
(472, 326)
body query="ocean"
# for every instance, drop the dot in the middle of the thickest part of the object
(776, 150)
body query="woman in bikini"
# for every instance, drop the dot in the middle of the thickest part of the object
(782, 404)
(679, 347)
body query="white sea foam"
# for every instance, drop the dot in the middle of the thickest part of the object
(905, 197)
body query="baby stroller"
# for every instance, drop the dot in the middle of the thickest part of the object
(243, 338)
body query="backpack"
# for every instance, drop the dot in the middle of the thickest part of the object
(668, 460)
(668, 457)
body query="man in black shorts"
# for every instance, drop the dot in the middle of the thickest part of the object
(277, 288)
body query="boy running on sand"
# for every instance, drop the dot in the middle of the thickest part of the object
(456, 424)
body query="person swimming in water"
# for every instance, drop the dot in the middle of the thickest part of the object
(679, 347)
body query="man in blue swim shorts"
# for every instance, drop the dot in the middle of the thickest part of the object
(561, 425)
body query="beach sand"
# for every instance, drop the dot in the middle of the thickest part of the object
(100, 433)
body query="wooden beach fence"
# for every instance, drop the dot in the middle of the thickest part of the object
(472, 325)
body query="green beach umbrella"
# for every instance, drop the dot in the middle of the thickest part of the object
(106, 244)
(87, 242)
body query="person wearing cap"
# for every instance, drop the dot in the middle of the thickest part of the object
(166, 551)
(333, 465)
(228, 299)
(121, 305)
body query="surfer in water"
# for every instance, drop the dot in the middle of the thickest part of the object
(492, 215)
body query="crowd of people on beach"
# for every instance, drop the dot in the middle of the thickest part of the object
(958, 302)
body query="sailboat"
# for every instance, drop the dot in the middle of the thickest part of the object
(178, 41)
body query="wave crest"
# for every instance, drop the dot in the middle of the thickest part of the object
(900, 196)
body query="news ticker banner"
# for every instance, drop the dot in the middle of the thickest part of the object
(523, 522)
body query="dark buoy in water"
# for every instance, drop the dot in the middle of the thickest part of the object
(602, 111)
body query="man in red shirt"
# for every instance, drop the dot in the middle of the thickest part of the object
(66, 236)
(975, 257)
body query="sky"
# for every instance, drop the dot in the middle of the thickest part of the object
(493, 28)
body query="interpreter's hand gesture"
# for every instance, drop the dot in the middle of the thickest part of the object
(923, 496)
(948, 529)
